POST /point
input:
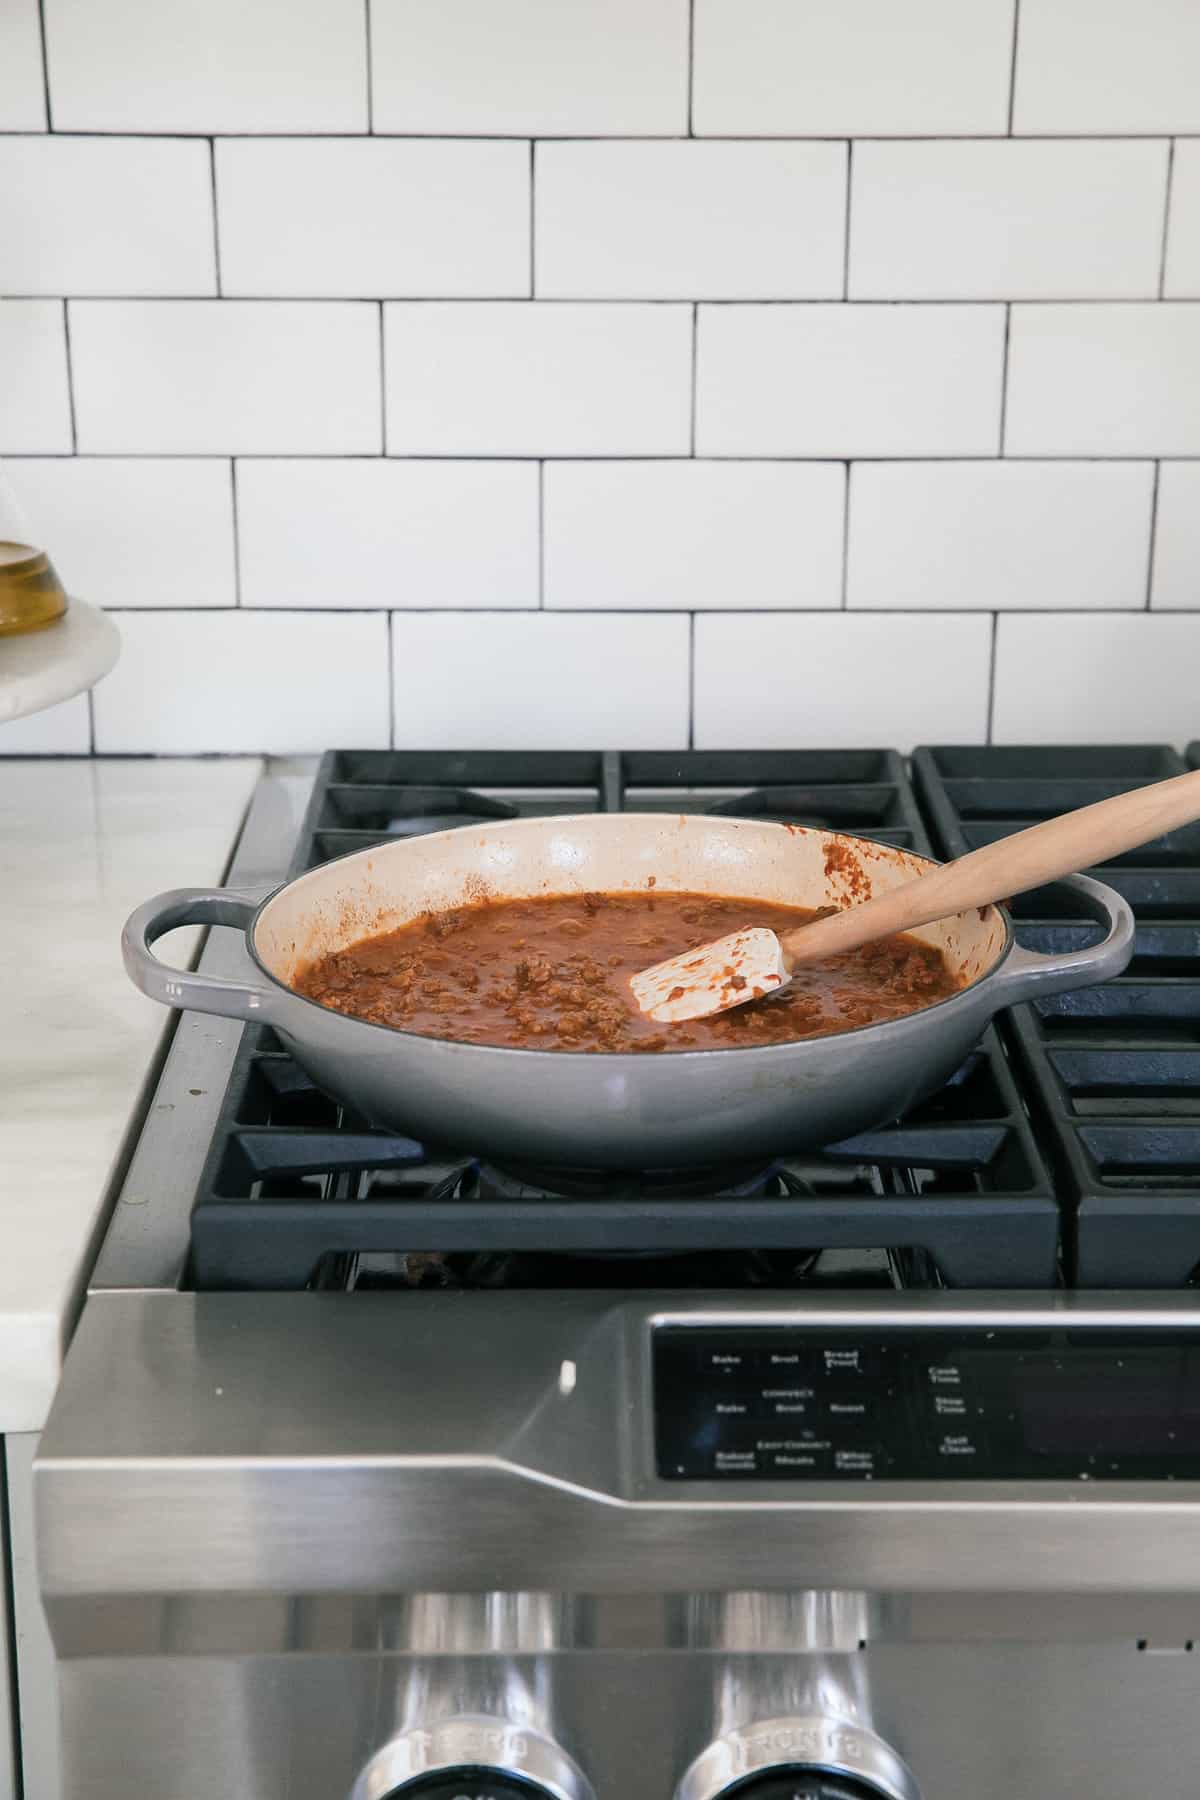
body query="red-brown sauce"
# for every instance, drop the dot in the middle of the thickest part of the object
(553, 974)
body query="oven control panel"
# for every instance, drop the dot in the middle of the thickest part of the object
(759, 1403)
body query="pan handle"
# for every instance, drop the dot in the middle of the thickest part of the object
(186, 987)
(1028, 975)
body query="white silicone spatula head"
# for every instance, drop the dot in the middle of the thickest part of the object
(728, 972)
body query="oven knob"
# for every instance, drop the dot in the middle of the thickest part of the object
(800, 1784)
(799, 1759)
(472, 1759)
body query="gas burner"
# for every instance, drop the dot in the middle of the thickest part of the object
(524, 1182)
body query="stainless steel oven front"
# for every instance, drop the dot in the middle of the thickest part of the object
(322, 1546)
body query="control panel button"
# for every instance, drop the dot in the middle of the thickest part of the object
(797, 1456)
(851, 1360)
(730, 1365)
(736, 1459)
(735, 1406)
(858, 1459)
(793, 1403)
(952, 1405)
(944, 1376)
(781, 1361)
(843, 1408)
(959, 1446)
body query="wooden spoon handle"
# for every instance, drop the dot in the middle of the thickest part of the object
(1012, 865)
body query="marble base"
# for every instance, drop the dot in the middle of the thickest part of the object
(40, 668)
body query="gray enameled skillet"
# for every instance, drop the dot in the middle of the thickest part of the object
(682, 1109)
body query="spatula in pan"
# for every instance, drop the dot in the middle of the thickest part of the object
(748, 964)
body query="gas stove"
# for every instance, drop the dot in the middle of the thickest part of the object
(378, 1469)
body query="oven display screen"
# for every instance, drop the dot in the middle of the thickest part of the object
(793, 1405)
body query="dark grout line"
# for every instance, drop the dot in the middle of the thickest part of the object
(1012, 69)
(796, 302)
(846, 541)
(216, 230)
(691, 63)
(391, 681)
(691, 681)
(532, 218)
(370, 70)
(1153, 536)
(45, 68)
(70, 376)
(1004, 378)
(541, 535)
(382, 383)
(237, 534)
(91, 712)
(316, 134)
(991, 699)
(695, 365)
(658, 612)
(846, 224)
(610, 456)
(1166, 232)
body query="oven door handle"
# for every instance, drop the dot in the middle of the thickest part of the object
(192, 988)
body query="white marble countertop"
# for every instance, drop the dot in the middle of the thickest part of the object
(81, 844)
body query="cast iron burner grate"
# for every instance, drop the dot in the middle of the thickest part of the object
(1114, 1070)
(295, 1185)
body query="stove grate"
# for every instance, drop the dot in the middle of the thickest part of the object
(1114, 1070)
(957, 1192)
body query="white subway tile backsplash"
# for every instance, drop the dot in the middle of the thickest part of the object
(1007, 220)
(1182, 273)
(22, 87)
(556, 680)
(176, 66)
(62, 730)
(1122, 65)
(997, 535)
(693, 535)
(99, 215)
(35, 406)
(226, 376)
(528, 379)
(357, 533)
(131, 530)
(1104, 380)
(529, 68)
(1177, 540)
(840, 679)
(498, 366)
(688, 220)
(849, 380)
(361, 217)
(244, 681)
(842, 68)
(1126, 678)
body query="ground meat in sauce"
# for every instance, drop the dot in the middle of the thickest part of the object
(553, 974)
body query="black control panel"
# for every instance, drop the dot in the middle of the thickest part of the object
(760, 1403)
